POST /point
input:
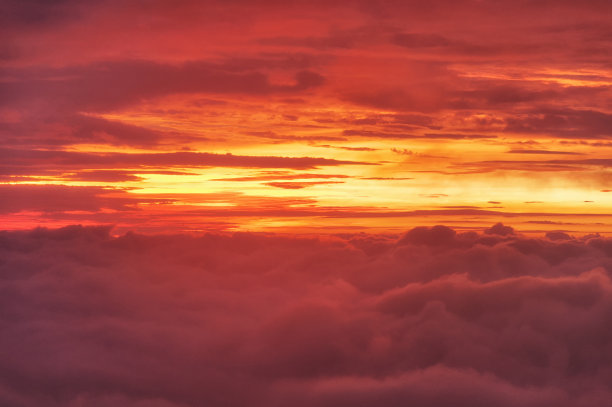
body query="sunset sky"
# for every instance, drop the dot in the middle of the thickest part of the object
(305, 203)
(306, 116)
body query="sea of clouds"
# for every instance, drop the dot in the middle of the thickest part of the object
(430, 318)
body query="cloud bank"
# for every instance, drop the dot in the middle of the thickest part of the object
(429, 318)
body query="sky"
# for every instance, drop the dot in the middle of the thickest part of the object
(271, 203)
(306, 116)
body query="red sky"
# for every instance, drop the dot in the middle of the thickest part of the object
(305, 203)
(306, 115)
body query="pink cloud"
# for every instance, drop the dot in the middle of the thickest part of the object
(299, 184)
(218, 319)
(18, 160)
(61, 198)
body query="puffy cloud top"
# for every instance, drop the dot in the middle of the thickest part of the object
(432, 318)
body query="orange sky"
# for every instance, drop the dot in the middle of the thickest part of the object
(306, 116)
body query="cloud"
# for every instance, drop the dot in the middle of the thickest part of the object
(456, 136)
(563, 123)
(541, 165)
(278, 175)
(116, 175)
(558, 235)
(17, 161)
(534, 151)
(288, 137)
(110, 85)
(387, 178)
(438, 235)
(103, 176)
(299, 185)
(173, 212)
(426, 136)
(348, 148)
(61, 198)
(434, 317)
(499, 229)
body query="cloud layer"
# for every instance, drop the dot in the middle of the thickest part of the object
(432, 317)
